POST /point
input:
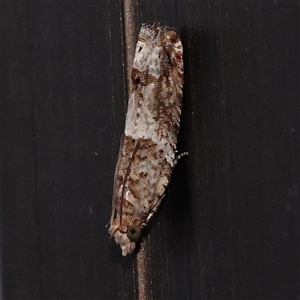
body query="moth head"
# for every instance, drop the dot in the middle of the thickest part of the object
(134, 233)
(126, 236)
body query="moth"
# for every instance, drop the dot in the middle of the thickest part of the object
(147, 151)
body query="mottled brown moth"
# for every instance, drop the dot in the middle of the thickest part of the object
(147, 152)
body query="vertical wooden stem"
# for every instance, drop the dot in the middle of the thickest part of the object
(129, 8)
(141, 270)
(142, 274)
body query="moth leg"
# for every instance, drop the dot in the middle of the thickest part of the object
(178, 157)
(154, 209)
(160, 190)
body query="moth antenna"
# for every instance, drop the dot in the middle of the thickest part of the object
(113, 209)
(136, 147)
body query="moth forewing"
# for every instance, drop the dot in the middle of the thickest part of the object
(147, 152)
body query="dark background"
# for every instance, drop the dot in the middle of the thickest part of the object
(229, 227)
